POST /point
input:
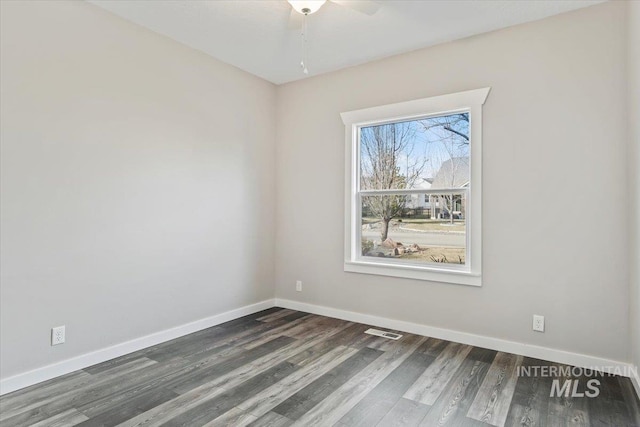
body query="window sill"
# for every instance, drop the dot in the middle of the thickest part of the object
(416, 273)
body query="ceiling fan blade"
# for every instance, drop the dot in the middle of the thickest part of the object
(295, 20)
(368, 7)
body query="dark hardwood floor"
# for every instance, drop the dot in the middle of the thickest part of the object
(281, 367)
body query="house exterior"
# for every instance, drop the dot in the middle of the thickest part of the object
(453, 173)
(419, 202)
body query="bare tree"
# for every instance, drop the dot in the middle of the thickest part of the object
(384, 151)
(454, 124)
(452, 134)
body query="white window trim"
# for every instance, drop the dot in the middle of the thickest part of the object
(470, 101)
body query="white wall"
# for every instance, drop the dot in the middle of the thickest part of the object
(554, 143)
(633, 75)
(137, 183)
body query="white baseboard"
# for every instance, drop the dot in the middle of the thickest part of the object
(45, 373)
(537, 352)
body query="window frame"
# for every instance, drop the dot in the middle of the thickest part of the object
(468, 101)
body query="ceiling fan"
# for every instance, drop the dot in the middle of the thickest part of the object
(307, 7)
(301, 9)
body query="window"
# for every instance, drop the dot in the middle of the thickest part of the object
(413, 189)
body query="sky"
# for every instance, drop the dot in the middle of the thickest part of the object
(430, 144)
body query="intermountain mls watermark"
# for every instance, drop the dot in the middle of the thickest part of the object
(571, 381)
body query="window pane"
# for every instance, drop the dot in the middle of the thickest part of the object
(416, 154)
(416, 228)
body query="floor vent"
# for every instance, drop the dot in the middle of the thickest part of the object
(383, 334)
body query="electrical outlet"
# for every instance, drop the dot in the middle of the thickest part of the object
(57, 335)
(299, 285)
(538, 323)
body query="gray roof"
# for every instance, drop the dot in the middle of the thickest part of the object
(453, 173)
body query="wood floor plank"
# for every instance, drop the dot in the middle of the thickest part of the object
(52, 390)
(31, 416)
(126, 410)
(341, 401)
(197, 377)
(37, 390)
(130, 367)
(493, 399)
(631, 399)
(118, 388)
(404, 413)
(115, 393)
(239, 322)
(70, 417)
(272, 420)
(34, 396)
(384, 344)
(113, 363)
(235, 417)
(212, 409)
(267, 311)
(215, 339)
(248, 338)
(275, 315)
(29, 410)
(375, 405)
(352, 335)
(435, 346)
(570, 414)
(311, 354)
(455, 400)
(610, 408)
(610, 387)
(139, 391)
(530, 401)
(309, 324)
(264, 331)
(302, 401)
(567, 410)
(430, 384)
(262, 403)
(295, 316)
(522, 416)
(606, 411)
(163, 354)
(482, 355)
(229, 379)
(246, 370)
(169, 373)
(220, 333)
(170, 349)
(160, 414)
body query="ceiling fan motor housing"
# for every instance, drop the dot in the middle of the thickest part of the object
(306, 7)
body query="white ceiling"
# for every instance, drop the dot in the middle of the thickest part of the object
(254, 35)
